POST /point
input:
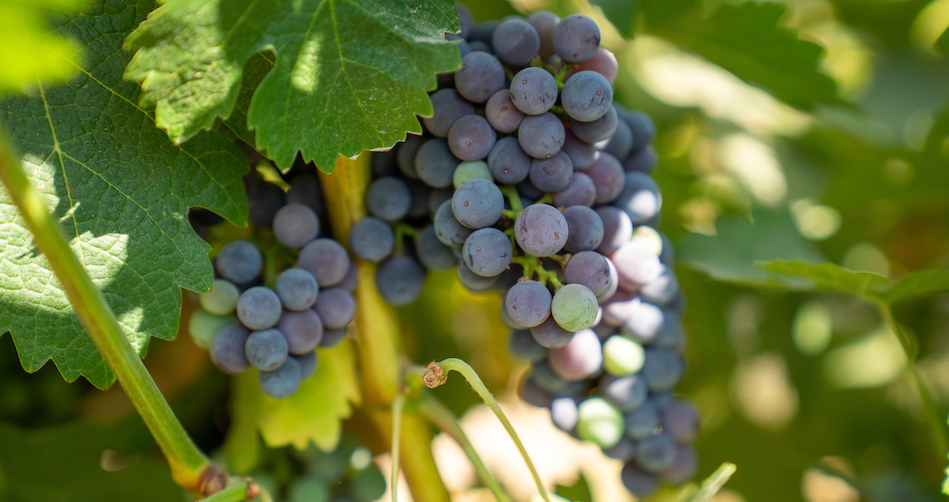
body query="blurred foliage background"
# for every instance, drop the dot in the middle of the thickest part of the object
(813, 129)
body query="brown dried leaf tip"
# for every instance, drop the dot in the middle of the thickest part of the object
(435, 376)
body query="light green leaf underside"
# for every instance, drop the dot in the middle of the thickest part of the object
(349, 75)
(121, 191)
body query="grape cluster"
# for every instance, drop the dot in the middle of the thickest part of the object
(536, 184)
(277, 327)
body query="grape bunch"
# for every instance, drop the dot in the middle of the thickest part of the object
(275, 324)
(536, 184)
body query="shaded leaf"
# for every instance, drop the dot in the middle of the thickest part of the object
(749, 40)
(29, 52)
(120, 190)
(349, 75)
(620, 14)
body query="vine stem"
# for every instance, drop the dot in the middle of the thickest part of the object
(439, 415)
(190, 468)
(438, 374)
(241, 490)
(398, 405)
(934, 421)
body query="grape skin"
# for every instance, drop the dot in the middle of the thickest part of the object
(522, 345)
(541, 136)
(480, 76)
(596, 130)
(607, 175)
(474, 282)
(296, 288)
(617, 229)
(266, 349)
(477, 203)
(620, 143)
(435, 164)
(203, 326)
(586, 96)
(448, 106)
(258, 308)
(533, 90)
(389, 198)
(471, 137)
(405, 156)
(448, 229)
(302, 330)
(487, 252)
(579, 192)
(579, 359)
(636, 265)
(638, 482)
(501, 112)
(590, 269)
(574, 307)
(332, 337)
(515, 42)
(552, 174)
(643, 161)
(540, 230)
(508, 162)
(307, 363)
(545, 22)
(627, 392)
(432, 253)
(585, 230)
(576, 38)
(581, 153)
(603, 62)
(371, 239)
(336, 308)
(283, 381)
(222, 298)
(600, 422)
(326, 259)
(528, 303)
(239, 261)
(564, 413)
(227, 349)
(295, 224)
(399, 280)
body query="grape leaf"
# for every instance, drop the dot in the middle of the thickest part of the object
(832, 277)
(120, 190)
(28, 51)
(748, 40)
(943, 42)
(620, 13)
(350, 75)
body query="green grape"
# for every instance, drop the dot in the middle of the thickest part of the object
(367, 485)
(471, 170)
(309, 490)
(574, 307)
(622, 356)
(600, 422)
(203, 325)
(222, 299)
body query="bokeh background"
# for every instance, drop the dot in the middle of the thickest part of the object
(814, 129)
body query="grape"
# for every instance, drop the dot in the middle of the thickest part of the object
(435, 163)
(302, 330)
(528, 303)
(388, 198)
(471, 137)
(508, 162)
(549, 334)
(483, 31)
(596, 130)
(515, 42)
(564, 413)
(586, 96)
(590, 269)
(307, 363)
(574, 307)
(624, 450)
(683, 467)
(480, 76)
(336, 307)
(326, 259)
(203, 326)
(576, 38)
(477, 203)
(585, 230)
(383, 163)
(600, 422)
(473, 281)
(350, 280)
(638, 482)
(227, 349)
(239, 261)
(662, 369)
(399, 280)
(405, 155)
(266, 349)
(522, 345)
(488, 252)
(636, 265)
(332, 337)
(466, 20)
(222, 298)
(670, 335)
(294, 225)
(628, 392)
(541, 136)
(371, 239)
(656, 452)
(532, 393)
(580, 152)
(643, 161)
(613, 287)
(419, 206)
(662, 290)
(437, 197)
(367, 485)
(263, 201)
(681, 421)
(471, 170)
(305, 189)
(642, 127)
(621, 142)
(448, 106)
(540, 230)
(644, 321)
(544, 376)
(508, 278)
(478, 45)
(296, 288)
(258, 308)
(642, 422)
(281, 382)
(617, 229)
(622, 356)
(579, 359)
(447, 228)
(533, 90)
(501, 112)
(603, 62)
(528, 190)
(309, 489)
(553, 174)
(431, 252)
(607, 175)
(545, 22)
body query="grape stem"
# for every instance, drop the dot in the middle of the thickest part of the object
(402, 230)
(438, 375)
(190, 468)
(398, 405)
(440, 416)
(514, 199)
(534, 266)
(243, 489)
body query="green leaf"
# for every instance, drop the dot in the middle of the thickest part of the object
(29, 52)
(731, 255)
(349, 75)
(943, 42)
(120, 190)
(313, 414)
(620, 13)
(832, 277)
(749, 40)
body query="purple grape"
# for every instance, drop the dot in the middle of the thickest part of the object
(296, 288)
(239, 261)
(477, 203)
(515, 42)
(628, 392)
(607, 175)
(501, 112)
(447, 228)
(227, 349)
(266, 349)
(522, 345)
(580, 152)
(545, 22)
(620, 142)
(642, 422)
(388, 198)
(642, 127)
(636, 264)
(639, 482)
(326, 259)
(399, 280)
(590, 269)
(602, 62)
(283, 381)
(576, 38)
(585, 230)
(405, 155)
(586, 96)
(332, 337)
(371, 239)
(487, 252)
(656, 452)
(474, 282)
(541, 136)
(508, 162)
(258, 308)
(684, 464)
(307, 363)
(432, 253)
(552, 174)
(471, 137)
(480, 76)
(336, 308)
(596, 130)
(663, 369)
(549, 334)
(533, 90)
(528, 303)
(435, 164)
(540, 230)
(448, 106)
(579, 192)
(617, 229)
(305, 189)
(643, 161)
(295, 224)
(681, 421)
(302, 330)
(579, 359)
